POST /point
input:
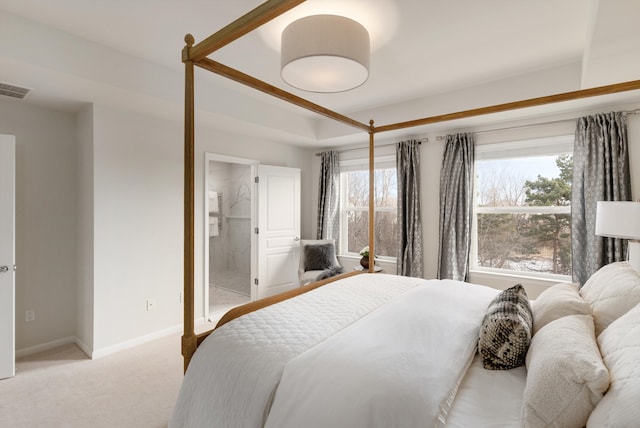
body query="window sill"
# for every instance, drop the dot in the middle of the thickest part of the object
(543, 278)
(534, 285)
(386, 260)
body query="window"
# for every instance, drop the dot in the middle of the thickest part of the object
(522, 215)
(354, 207)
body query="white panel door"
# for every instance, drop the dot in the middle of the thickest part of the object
(278, 229)
(7, 256)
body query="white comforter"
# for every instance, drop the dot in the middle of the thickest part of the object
(398, 367)
(427, 336)
(234, 373)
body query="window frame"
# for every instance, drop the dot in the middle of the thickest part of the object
(352, 165)
(527, 148)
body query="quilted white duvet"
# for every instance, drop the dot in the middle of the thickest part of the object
(372, 350)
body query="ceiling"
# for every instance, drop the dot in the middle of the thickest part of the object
(428, 57)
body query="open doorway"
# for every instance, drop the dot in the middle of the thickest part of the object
(229, 224)
(250, 210)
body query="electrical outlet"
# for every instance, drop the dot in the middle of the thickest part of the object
(29, 315)
(181, 297)
(151, 304)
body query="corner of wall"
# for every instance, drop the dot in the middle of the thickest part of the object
(85, 313)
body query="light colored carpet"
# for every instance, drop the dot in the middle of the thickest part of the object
(137, 387)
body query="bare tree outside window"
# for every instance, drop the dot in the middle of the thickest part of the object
(355, 210)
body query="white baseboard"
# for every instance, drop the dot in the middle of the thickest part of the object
(45, 346)
(99, 353)
(86, 349)
(103, 352)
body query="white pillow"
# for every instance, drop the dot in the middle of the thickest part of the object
(611, 292)
(558, 301)
(565, 374)
(620, 346)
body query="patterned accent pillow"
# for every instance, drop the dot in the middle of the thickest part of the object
(505, 333)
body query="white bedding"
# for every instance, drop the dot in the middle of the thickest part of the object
(234, 373)
(488, 398)
(397, 367)
(237, 371)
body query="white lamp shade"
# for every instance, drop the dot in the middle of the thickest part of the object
(325, 53)
(618, 219)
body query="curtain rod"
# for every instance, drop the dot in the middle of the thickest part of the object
(419, 140)
(509, 128)
(531, 125)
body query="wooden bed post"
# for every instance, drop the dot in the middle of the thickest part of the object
(189, 337)
(372, 202)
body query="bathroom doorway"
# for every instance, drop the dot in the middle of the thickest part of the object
(242, 197)
(229, 209)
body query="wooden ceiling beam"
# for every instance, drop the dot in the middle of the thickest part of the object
(252, 82)
(531, 102)
(245, 24)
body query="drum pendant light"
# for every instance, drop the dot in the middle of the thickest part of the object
(325, 53)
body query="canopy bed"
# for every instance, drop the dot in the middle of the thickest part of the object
(327, 322)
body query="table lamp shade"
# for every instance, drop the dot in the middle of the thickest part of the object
(621, 220)
(618, 219)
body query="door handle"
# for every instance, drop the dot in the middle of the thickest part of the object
(4, 269)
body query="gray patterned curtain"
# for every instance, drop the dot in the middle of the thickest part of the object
(600, 173)
(456, 211)
(328, 218)
(409, 259)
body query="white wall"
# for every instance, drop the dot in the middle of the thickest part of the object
(85, 310)
(137, 219)
(134, 221)
(138, 212)
(46, 250)
(612, 56)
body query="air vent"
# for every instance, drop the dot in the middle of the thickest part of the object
(13, 91)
